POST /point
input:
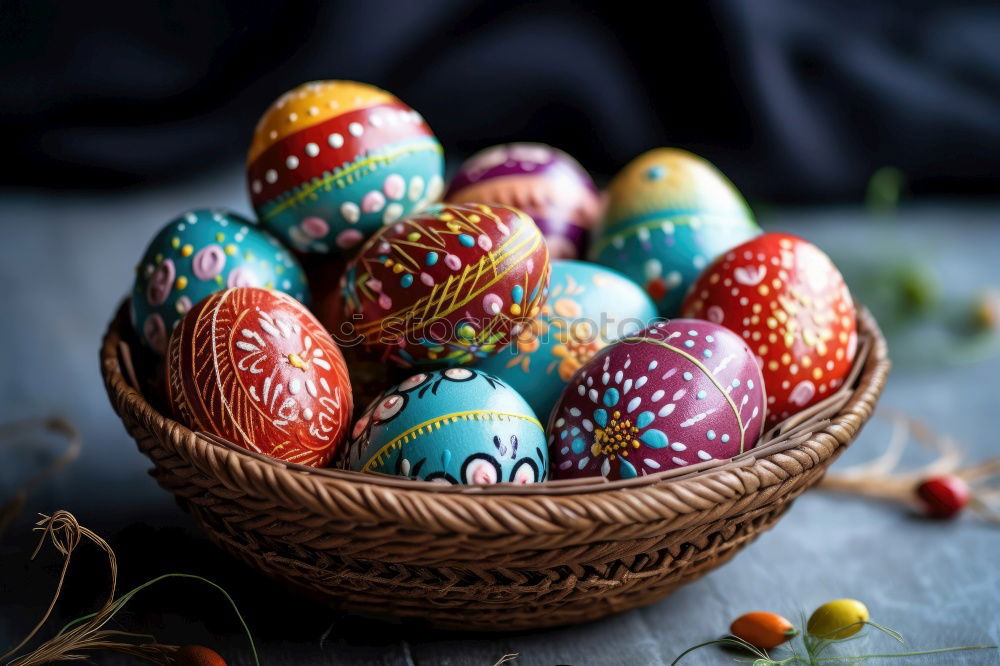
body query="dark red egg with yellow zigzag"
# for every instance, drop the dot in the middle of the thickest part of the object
(448, 286)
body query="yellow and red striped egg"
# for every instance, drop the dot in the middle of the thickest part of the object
(332, 161)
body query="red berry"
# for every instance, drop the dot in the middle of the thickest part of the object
(657, 289)
(943, 496)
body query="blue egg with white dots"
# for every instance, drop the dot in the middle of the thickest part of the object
(197, 254)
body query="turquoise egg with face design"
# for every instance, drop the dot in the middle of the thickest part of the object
(588, 308)
(457, 426)
(197, 254)
(669, 214)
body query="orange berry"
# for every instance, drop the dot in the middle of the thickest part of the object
(197, 655)
(762, 629)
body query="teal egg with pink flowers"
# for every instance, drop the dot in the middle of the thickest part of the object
(454, 426)
(197, 254)
(669, 214)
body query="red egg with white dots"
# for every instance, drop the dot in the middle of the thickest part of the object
(255, 367)
(448, 286)
(791, 305)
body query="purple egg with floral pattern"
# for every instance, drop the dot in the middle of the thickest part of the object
(543, 181)
(676, 394)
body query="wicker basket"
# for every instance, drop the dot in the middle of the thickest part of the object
(500, 557)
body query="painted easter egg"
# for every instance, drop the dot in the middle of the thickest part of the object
(543, 181)
(669, 214)
(199, 253)
(332, 161)
(448, 286)
(457, 425)
(255, 367)
(676, 394)
(589, 307)
(789, 302)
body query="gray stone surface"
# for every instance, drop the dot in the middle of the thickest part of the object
(66, 261)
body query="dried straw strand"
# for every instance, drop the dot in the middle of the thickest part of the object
(87, 634)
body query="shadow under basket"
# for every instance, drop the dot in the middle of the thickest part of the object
(500, 557)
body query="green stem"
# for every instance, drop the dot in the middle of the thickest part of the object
(125, 598)
(738, 642)
(912, 654)
(886, 630)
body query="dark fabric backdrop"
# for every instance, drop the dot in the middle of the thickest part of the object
(796, 101)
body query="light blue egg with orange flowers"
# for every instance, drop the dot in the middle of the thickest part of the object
(589, 306)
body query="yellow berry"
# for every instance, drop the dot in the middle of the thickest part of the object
(838, 619)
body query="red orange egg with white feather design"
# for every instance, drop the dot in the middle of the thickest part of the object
(255, 367)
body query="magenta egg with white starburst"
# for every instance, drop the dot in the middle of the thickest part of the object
(677, 394)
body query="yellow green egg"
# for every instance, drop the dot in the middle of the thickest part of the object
(669, 214)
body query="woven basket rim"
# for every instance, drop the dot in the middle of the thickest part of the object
(730, 489)
(859, 391)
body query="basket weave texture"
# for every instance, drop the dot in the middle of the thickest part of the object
(497, 558)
